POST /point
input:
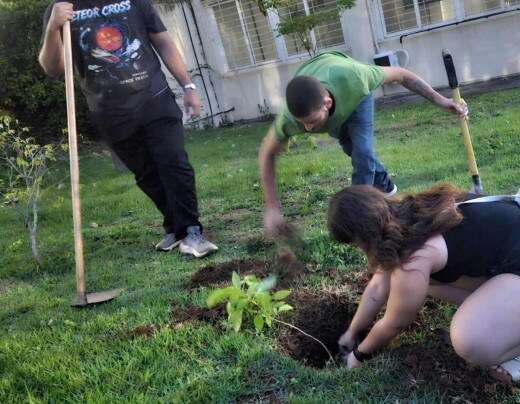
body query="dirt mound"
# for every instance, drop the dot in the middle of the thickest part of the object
(285, 266)
(180, 315)
(437, 364)
(215, 274)
(143, 331)
(323, 315)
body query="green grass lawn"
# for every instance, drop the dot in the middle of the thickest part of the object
(51, 352)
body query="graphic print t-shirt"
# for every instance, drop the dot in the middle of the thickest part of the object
(112, 53)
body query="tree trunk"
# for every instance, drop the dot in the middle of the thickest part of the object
(34, 246)
(33, 228)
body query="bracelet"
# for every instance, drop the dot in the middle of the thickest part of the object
(361, 356)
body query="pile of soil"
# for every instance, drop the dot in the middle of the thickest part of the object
(286, 267)
(143, 331)
(436, 364)
(217, 274)
(323, 315)
(179, 315)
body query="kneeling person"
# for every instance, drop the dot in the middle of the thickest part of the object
(429, 244)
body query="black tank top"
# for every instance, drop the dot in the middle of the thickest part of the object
(486, 242)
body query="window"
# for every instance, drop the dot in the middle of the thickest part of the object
(473, 7)
(404, 15)
(249, 38)
(400, 16)
(323, 36)
(246, 33)
(328, 34)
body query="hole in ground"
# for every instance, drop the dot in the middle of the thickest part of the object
(325, 316)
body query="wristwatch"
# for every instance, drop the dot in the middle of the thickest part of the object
(189, 86)
(361, 356)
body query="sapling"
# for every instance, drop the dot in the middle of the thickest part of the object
(250, 299)
(301, 26)
(24, 164)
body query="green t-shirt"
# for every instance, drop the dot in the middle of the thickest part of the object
(348, 80)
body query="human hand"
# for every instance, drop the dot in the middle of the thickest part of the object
(273, 221)
(61, 13)
(352, 362)
(192, 103)
(347, 341)
(459, 108)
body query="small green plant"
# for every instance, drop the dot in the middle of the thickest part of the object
(302, 143)
(265, 111)
(250, 298)
(23, 163)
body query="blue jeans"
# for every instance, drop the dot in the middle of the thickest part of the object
(356, 137)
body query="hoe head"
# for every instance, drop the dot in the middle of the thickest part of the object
(88, 299)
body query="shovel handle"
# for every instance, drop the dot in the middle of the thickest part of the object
(81, 297)
(468, 146)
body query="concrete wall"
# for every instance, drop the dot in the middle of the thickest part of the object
(481, 50)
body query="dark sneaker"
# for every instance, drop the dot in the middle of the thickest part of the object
(383, 182)
(390, 190)
(168, 243)
(196, 244)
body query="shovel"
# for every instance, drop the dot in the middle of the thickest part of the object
(82, 297)
(470, 155)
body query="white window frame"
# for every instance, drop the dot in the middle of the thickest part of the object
(458, 11)
(279, 40)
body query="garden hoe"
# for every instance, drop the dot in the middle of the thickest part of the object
(454, 84)
(82, 298)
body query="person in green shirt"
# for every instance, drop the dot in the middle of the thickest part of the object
(332, 93)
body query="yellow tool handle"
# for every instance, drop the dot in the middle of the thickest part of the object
(466, 137)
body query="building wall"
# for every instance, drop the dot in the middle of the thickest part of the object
(482, 49)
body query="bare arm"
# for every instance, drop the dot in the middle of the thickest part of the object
(172, 59)
(417, 85)
(51, 52)
(374, 297)
(408, 290)
(269, 149)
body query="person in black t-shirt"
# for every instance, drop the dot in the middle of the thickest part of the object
(430, 244)
(114, 45)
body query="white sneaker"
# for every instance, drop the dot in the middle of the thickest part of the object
(196, 244)
(168, 243)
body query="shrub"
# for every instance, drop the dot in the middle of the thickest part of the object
(250, 298)
(36, 100)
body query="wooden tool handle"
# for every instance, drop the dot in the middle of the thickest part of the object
(74, 165)
(468, 146)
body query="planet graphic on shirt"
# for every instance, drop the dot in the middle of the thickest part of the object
(109, 38)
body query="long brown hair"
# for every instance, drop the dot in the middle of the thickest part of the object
(389, 230)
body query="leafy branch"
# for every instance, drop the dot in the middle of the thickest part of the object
(301, 26)
(250, 298)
